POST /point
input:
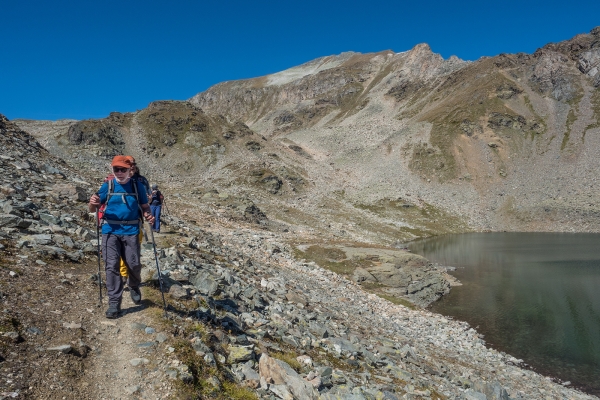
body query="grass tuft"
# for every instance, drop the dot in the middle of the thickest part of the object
(288, 357)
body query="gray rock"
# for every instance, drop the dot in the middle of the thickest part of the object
(492, 391)
(342, 346)
(138, 361)
(179, 292)
(284, 377)
(296, 298)
(471, 394)
(205, 283)
(240, 353)
(161, 337)
(209, 358)
(65, 349)
(319, 330)
(71, 325)
(342, 392)
(214, 381)
(362, 275)
(184, 374)
(251, 377)
(171, 373)
(72, 192)
(12, 336)
(199, 346)
(137, 326)
(49, 218)
(34, 331)
(11, 221)
(130, 390)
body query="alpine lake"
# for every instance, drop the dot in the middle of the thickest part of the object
(535, 296)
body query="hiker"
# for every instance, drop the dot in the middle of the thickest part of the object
(156, 199)
(135, 174)
(122, 265)
(124, 198)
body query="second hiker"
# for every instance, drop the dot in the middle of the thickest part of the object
(156, 200)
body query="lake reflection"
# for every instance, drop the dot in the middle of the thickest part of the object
(535, 296)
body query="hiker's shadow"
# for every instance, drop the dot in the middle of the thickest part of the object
(144, 304)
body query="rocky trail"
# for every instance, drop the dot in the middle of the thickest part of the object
(247, 319)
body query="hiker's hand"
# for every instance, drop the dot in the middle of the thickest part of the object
(95, 200)
(149, 217)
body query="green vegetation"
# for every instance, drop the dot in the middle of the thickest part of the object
(335, 259)
(203, 383)
(571, 118)
(425, 220)
(288, 357)
(330, 258)
(595, 100)
(458, 104)
(397, 300)
(169, 122)
(235, 392)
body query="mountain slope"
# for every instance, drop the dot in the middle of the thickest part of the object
(380, 147)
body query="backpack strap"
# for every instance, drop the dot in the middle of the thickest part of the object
(135, 189)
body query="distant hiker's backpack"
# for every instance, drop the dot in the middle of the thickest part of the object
(157, 196)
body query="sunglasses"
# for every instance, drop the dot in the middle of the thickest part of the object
(120, 169)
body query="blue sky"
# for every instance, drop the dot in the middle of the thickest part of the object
(83, 59)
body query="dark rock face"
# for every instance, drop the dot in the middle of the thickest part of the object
(507, 91)
(405, 89)
(498, 120)
(96, 132)
(589, 64)
(253, 146)
(272, 183)
(551, 76)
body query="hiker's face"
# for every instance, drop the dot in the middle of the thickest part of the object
(121, 172)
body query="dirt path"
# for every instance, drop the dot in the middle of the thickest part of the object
(125, 356)
(131, 355)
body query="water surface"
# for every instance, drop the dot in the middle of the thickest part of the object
(535, 296)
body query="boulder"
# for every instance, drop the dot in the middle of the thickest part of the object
(239, 354)
(280, 374)
(205, 283)
(251, 377)
(73, 192)
(178, 292)
(296, 298)
(11, 221)
(362, 275)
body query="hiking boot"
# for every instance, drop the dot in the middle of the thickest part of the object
(136, 295)
(113, 311)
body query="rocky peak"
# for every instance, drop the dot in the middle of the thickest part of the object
(423, 63)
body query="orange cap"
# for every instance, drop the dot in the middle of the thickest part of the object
(121, 161)
(130, 158)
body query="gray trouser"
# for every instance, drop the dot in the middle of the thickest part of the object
(115, 247)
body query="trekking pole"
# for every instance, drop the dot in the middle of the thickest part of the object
(144, 232)
(159, 273)
(98, 245)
